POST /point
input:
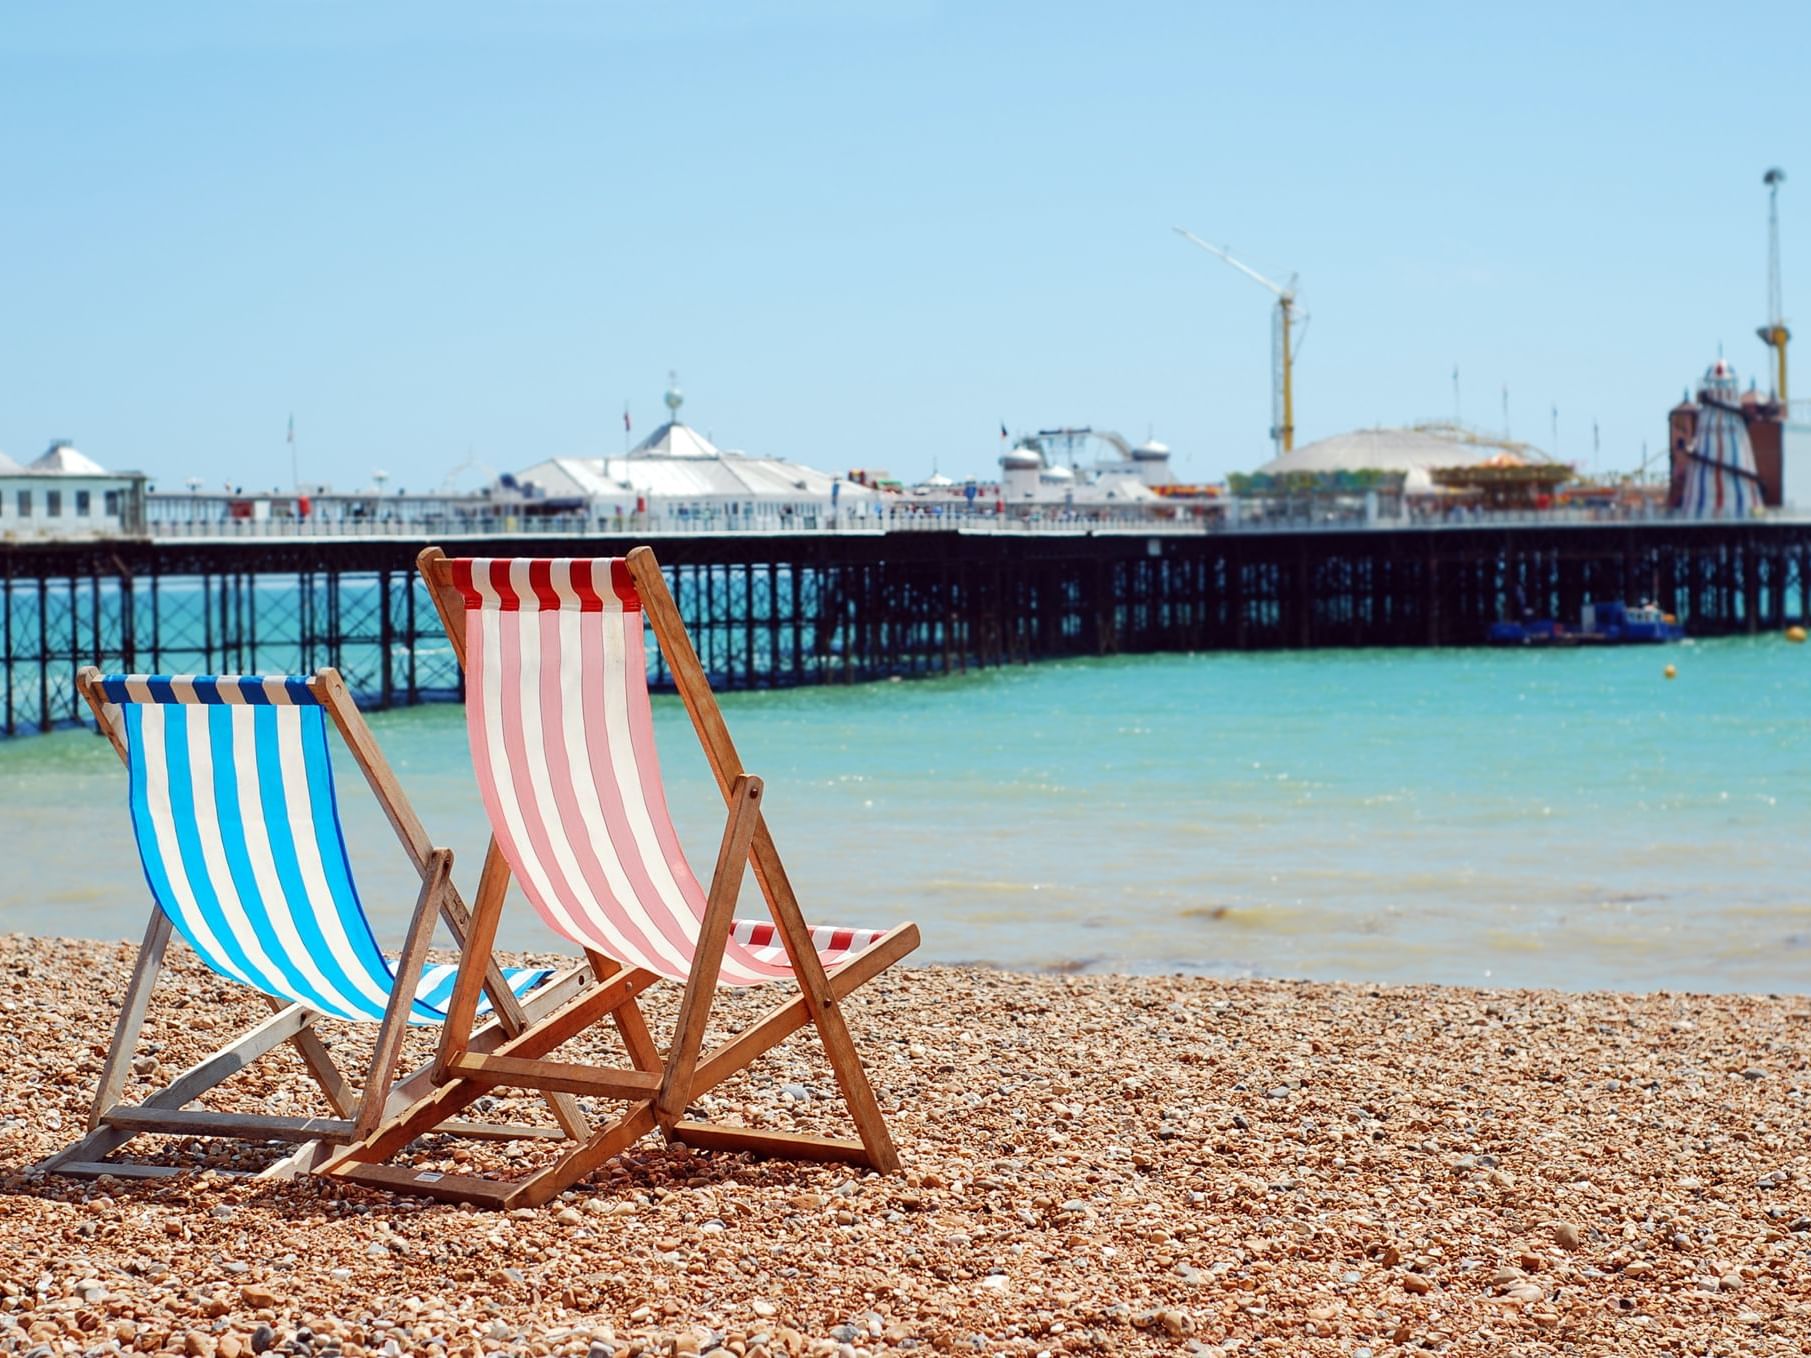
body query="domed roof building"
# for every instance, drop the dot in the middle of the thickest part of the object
(1417, 452)
(677, 470)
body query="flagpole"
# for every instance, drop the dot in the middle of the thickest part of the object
(295, 478)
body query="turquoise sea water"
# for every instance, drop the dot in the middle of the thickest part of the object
(1519, 818)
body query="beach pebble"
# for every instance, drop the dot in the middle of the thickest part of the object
(1175, 1321)
(1084, 1156)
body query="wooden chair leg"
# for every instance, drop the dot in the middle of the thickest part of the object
(388, 1047)
(820, 1003)
(474, 953)
(478, 971)
(340, 1094)
(131, 1015)
(632, 1027)
(630, 1024)
(707, 957)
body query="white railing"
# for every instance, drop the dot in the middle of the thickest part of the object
(653, 525)
(1229, 517)
(1461, 518)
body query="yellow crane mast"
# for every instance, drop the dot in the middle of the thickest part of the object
(1285, 349)
(1774, 333)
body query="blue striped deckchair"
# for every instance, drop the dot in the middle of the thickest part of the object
(237, 825)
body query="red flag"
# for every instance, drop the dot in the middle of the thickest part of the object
(625, 421)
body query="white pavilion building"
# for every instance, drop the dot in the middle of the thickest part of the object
(680, 479)
(63, 493)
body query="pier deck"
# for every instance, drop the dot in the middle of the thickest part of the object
(775, 608)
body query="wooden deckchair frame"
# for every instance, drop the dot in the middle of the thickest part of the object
(656, 1087)
(358, 1111)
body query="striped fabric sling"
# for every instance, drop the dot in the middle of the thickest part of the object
(237, 825)
(562, 738)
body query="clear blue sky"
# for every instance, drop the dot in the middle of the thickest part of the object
(866, 234)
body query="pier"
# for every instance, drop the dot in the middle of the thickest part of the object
(770, 609)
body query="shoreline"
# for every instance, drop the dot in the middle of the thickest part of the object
(1093, 1163)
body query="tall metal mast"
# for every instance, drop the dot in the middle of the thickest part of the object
(1774, 333)
(1282, 400)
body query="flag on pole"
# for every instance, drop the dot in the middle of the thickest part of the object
(626, 425)
(292, 430)
(1002, 428)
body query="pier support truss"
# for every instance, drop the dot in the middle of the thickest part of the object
(769, 611)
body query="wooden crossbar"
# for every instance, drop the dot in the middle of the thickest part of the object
(566, 1076)
(205, 1122)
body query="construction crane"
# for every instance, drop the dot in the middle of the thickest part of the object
(1286, 323)
(1774, 333)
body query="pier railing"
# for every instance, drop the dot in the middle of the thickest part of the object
(1226, 517)
(663, 525)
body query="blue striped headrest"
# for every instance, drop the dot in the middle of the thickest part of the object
(242, 690)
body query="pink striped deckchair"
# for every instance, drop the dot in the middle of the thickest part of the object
(562, 740)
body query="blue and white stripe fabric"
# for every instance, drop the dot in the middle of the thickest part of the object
(238, 827)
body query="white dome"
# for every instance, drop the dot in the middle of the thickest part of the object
(1056, 474)
(1021, 460)
(63, 458)
(1153, 451)
(1412, 451)
(937, 479)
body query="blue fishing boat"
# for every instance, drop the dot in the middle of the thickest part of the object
(1605, 624)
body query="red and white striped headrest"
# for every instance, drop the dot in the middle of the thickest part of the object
(600, 584)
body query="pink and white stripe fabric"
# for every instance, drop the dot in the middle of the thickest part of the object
(562, 735)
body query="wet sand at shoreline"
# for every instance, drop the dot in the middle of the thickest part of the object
(1093, 1164)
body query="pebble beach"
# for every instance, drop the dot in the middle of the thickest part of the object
(1092, 1165)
